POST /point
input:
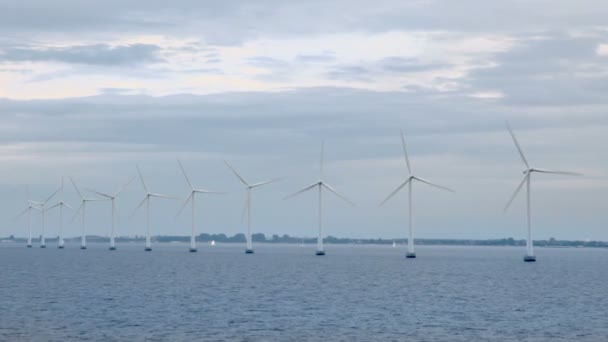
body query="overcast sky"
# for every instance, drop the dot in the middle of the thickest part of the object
(90, 89)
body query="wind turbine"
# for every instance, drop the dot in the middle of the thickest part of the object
(529, 257)
(28, 211)
(112, 198)
(190, 199)
(146, 200)
(83, 208)
(60, 204)
(320, 185)
(249, 188)
(410, 182)
(42, 207)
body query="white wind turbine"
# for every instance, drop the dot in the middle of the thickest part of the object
(409, 182)
(190, 198)
(529, 257)
(60, 205)
(112, 198)
(28, 211)
(248, 189)
(83, 208)
(42, 207)
(146, 201)
(321, 184)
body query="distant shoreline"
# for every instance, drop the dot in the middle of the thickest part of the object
(286, 239)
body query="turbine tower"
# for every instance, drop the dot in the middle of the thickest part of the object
(83, 208)
(146, 201)
(190, 199)
(529, 257)
(28, 211)
(42, 208)
(112, 198)
(320, 185)
(60, 204)
(248, 189)
(409, 181)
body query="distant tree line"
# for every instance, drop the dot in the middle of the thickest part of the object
(260, 237)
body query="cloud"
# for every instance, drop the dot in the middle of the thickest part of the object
(96, 54)
(323, 58)
(547, 70)
(350, 73)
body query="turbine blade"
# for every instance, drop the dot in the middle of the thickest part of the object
(76, 187)
(521, 153)
(51, 196)
(163, 196)
(140, 205)
(184, 173)
(516, 192)
(395, 191)
(23, 212)
(236, 174)
(203, 191)
(301, 191)
(183, 206)
(328, 187)
(67, 205)
(558, 172)
(266, 182)
(77, 212)
(433, 184)
(141, 178)
(97, 192)
(53, 206)
(124, 186)
(407, 159)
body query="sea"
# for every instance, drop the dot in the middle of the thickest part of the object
(286, 293)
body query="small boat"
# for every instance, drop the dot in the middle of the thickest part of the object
(394, 244)
(212, 242)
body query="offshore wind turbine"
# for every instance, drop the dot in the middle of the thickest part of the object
(28, 211)
(112, 198)
(83, 208)
(43, 212)
(60, 204)
(320, 185)
(409, 181)
(190, 198)
(529, 257)
(248, 189)
(146, 201)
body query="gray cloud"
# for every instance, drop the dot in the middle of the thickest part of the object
(349, 73)
(323, 58)
(96, 54)
(555, 69)
(405, 65)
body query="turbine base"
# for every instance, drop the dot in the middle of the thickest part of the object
(148, 249)
(320, 253)
(410, 255)
(42, 246)
(29, 246)
(83, 247)
(193, 250)
(249, 251)
(529, 258)
(112, 248)
(60, 247)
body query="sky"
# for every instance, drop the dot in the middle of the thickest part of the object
(92, 89)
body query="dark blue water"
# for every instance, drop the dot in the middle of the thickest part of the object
(285, 293)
